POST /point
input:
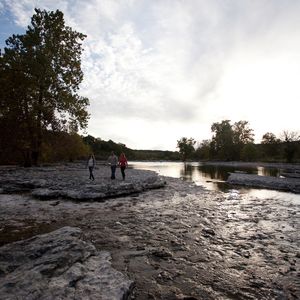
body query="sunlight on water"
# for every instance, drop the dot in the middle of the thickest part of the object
(214, 177)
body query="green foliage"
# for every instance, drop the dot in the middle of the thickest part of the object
(242, 133)
(270, 145)
(203, 152)
(290, 139)
(40, 72)
(222, 140)
(249, 152)
(269, 138)
(102, 150)
(228, 140)
(62, 146)
(186, 147)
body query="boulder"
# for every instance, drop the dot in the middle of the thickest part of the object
(59, 265)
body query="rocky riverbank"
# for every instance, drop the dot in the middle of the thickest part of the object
(71, 181)
(176, 242)
(288, 184)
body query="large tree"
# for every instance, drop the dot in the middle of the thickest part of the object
(228, 140)
(242, 135)
(290, 141)
(186, 147)
(222, 140)
(203, 151)
(270, 145)
(40, 73)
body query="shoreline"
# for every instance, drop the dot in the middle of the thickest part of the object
(292, 166)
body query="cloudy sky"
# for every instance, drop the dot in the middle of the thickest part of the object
(157, 70)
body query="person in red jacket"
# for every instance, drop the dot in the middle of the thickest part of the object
(123, 163)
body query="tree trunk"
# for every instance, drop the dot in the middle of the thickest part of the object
(27, 158)
(36, 152)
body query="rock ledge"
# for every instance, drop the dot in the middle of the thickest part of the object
(268, 182)
(70, 182)
(59, 265)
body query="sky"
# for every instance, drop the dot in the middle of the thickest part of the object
(159, 70)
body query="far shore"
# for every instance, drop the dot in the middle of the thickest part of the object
(279, 165)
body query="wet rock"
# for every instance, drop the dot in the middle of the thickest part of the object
(161, 253)
(45, 193)
(208, 232)
(59, 265)
(257, 283)
(55, 203)
(164, 276)
(276, 183)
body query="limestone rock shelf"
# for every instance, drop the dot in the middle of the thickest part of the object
(59, 265)
(268, 182)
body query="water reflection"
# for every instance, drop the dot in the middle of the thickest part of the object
(268, 171)
(210, 176)
(201, 172)
(187, 171)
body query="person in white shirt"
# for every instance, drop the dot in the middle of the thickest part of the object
(113, 161)
(91, 164)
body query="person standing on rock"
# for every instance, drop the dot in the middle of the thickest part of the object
(91, 165)
(123, 163)
(113, 161)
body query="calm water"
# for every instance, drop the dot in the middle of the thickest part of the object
(214, 177)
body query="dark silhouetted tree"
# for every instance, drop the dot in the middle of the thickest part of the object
(242, 135)
(186, 147)
(270, 144)
(40, 76)
(249, 152)
(290, 139)
(222, 140)
(203, 151)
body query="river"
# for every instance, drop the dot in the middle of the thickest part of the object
(214, 177)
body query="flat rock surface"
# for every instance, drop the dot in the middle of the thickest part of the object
(71, 181)
(277, 183)
(178, 242)
(59, 265)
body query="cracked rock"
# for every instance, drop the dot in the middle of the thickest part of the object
(59, 265)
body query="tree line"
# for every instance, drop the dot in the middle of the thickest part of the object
(235, 142)
(102, 150)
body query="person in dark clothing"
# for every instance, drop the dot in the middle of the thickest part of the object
(113, 161)
(123, 163)
(91, 165)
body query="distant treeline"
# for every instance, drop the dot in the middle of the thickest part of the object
(102, 150)
(67, 147)
(235, 142)
(279, 152)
